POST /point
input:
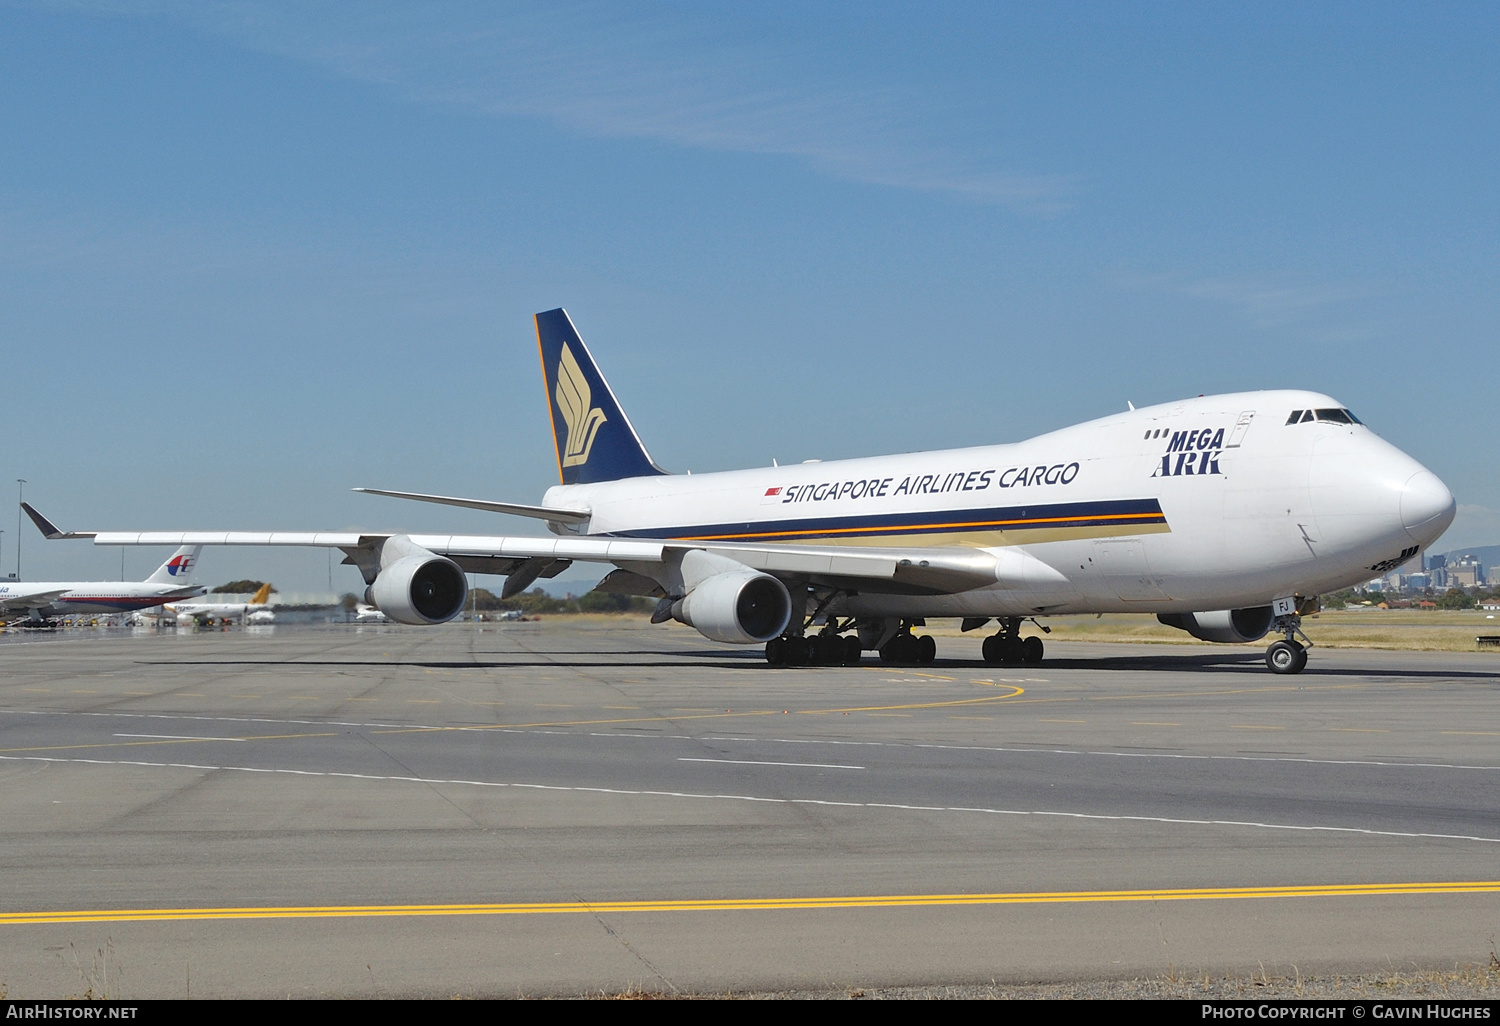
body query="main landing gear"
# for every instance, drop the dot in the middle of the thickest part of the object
(828, 649)
(907, 647)
(1287, 655)
(833, 647)
(1007, 647)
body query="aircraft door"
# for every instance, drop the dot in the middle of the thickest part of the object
(1122, 564)
(1237, 433)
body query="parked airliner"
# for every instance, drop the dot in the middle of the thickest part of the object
(188, 613)
(45, 600)
(1224, 515)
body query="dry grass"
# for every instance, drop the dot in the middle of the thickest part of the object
(1461, 983)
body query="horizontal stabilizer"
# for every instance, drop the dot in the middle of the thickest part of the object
(562, 516)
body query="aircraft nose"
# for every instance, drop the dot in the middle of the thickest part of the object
(1427, 507)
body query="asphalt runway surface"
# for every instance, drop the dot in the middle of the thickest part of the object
(570, 808)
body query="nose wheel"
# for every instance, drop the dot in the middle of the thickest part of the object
(1288, 655)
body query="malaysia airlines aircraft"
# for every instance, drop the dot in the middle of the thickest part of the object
(45, 600)
(1224, 515)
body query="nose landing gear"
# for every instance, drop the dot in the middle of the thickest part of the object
(1288, 655)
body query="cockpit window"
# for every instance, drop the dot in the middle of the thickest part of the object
(1339, 416)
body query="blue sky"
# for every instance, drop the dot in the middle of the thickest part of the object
(254, 254)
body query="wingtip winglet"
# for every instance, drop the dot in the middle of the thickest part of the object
(50, 530)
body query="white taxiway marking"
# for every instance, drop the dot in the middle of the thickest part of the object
(180, 737)
(756, 762)
(878, 806)
(1180, 756)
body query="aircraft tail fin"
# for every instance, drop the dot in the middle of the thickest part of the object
(179, 568)
(595, 440)
(261, 596)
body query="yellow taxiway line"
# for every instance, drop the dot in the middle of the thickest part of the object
(747, 904)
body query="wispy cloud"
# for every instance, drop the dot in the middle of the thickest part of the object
(666, 74)
(1322, 312)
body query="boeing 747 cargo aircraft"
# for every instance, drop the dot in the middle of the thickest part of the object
(1223, 515)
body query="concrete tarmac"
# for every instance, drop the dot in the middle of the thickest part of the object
(592, 806)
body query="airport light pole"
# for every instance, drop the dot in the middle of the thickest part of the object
(20, 497)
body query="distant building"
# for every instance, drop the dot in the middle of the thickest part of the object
(1416, 582)
(1465, 572)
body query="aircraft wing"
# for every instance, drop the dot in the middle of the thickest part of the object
(31, 600)
(896, 570)
(523, 559)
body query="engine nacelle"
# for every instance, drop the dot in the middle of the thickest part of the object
(420, 590)
(1228, 626)
(741, 607)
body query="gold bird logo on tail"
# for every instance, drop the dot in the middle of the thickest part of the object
(573, 398)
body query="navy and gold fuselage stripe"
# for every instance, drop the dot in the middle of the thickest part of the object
(1124, 513)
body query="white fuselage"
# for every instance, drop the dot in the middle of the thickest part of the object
(80, 597)
(1208, 503)
(213, 610)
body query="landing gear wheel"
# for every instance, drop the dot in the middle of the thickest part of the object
(796, 651)
(903, 648)
(991, 649)
(775, 651)
(851, 650)
(926, 649)
(830, 650)
(1286, 657)
(1011, 651)
(1031, 651)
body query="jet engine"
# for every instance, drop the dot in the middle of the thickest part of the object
(1229, 626)
(741, 607)
(420, 589)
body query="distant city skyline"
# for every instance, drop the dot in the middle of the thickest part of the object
(254, 254)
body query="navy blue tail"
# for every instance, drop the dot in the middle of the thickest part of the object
(595, 441)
